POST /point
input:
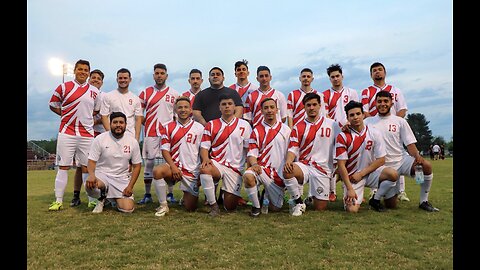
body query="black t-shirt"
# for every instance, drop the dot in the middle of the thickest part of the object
(207, 101)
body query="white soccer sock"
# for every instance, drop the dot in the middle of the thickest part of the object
(60, 184)
(208, 187)
(148, 174)
(333, 184)
(301, 188)
(293, 188)
(425, 187)
(252, 195)
(161, 190)
(93, 193)
(383, 189)
(84, 179)
(401, 183)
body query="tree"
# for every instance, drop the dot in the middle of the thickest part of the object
(423, 134)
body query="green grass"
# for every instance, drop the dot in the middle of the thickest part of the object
(405, 238)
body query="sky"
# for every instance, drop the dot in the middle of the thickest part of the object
(413, 39)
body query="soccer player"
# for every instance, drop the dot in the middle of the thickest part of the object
(253, 111)
(396, 133)
(158, 102)
(195, 80)
(123, 100)
(223, 152)
(378, 73)
(108, 166)
(96, 79)
(360, 155)
(180, 149)
(76, 102)
(312, 143)
(243, 86)
(266, 154)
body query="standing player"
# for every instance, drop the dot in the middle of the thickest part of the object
(243, 86)
(223, 152)
(360, 155)
(195, 80)
(378, 73)
(96, 79)
(312, 143)
(158, 102)
(267, 148)
(108, 166)
(253, 110)
(76, 102)
(180, 149)
(396, 133)
(122, 100)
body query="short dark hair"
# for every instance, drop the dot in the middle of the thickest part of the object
(225, 96)
(241, 63)
(353, 104)
(82, 62)
(114, 115)
(383, 93)
(310, 96)
(180, 98)
(215, 68)
(267, 99)
(377, 64)
(124, 70)
(334, 67)
(262, 68)
(194, 70)
(160, 66)
(99, 72)
(306, 70)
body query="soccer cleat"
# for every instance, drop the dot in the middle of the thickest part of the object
(427, 206)
(147, 198)
(308, 201)
(255, 212)
(372, 193)
(299, 209)
(55, 206)
(214, 210)
(99, 207)
(162, 210)
(75, 202)
(376, 205)
(403, 196)
(92, 204)
(171, 199)
(332, 197)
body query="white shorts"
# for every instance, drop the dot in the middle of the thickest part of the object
(231, 180)
(69, 146)
(151, 147)
(319, 182)
(405, 167)
(189, 184)
(371, 180)
(275, 193)
(114, 185)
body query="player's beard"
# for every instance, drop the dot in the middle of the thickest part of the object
(118, 132)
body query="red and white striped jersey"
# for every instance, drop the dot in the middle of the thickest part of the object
(313, 143)
(369, 103)
(253, 110)
(335, 102)
(359, 149)
(77, 103)
(395, 132)
(183, 143)
(227, 142)
(158, 105)
(269, 145)
(243, 91)
(127, 103)
(190, 95)
(295, 107)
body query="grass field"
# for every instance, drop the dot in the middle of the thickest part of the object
(404, 238)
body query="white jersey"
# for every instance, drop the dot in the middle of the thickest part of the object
(295, 107)
(158, 105)
(113, 155)
(253, 110)
(183, 143)
(269, 145)
(369, 103)
(127, 103)
(227, 142)
(244, 91)
(99, 128)
(313, 143)
(335, 102)
(77, 103)
(359, 149)
(395, 133)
